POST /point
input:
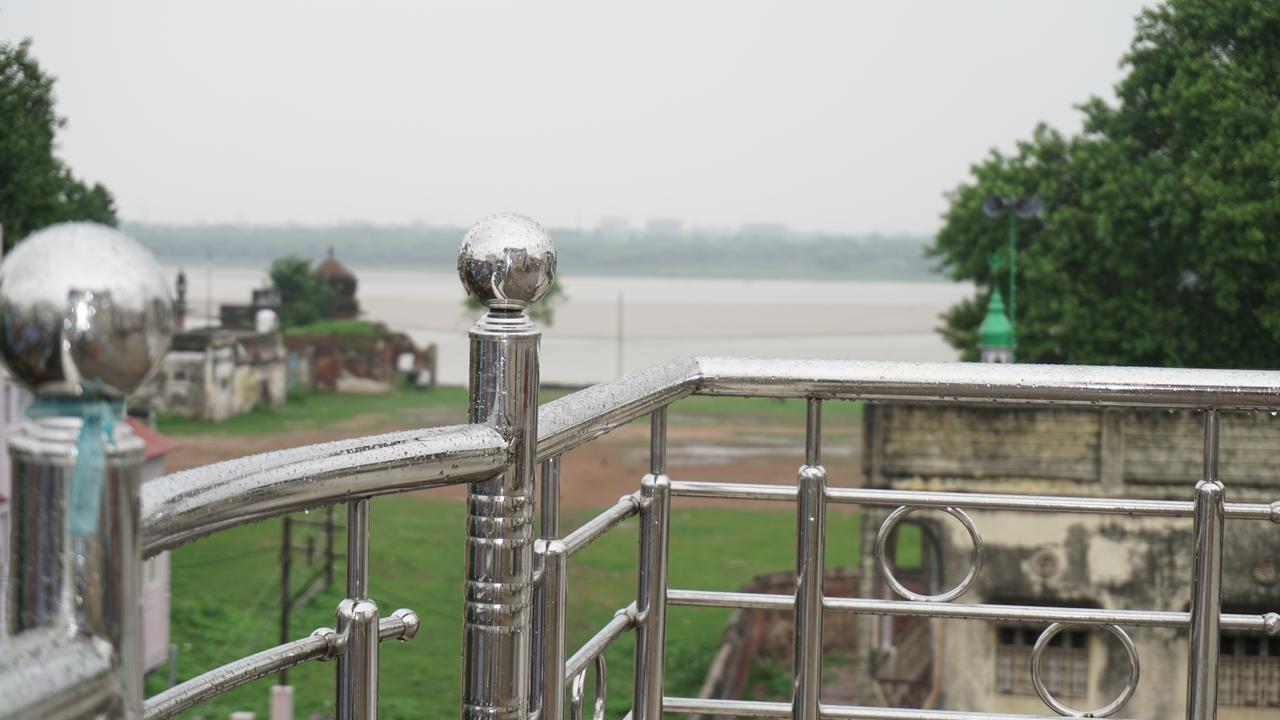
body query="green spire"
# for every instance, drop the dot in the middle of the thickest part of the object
(996, 330)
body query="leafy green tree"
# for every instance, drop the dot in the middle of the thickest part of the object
(36, 189)
(1160, 244)
(305, 297)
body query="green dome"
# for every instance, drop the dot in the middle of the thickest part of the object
(996, 330)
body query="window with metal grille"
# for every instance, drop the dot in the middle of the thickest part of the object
(1249, 671)
(1064, 664)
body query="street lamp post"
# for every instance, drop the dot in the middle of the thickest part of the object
(1025, 207)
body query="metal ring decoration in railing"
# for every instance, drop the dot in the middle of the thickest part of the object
(578, 685)
(1037, 680)
(886, 569)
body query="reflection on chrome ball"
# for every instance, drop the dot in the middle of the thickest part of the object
(507, 261)
(84, 309)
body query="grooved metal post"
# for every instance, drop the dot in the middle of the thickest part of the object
(554, 594)
(811, 524)
(356, 686)
(1206, 589)
(506, 262)
(651, 597)
(87, 318)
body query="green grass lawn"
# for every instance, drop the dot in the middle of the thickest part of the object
(317, 410)
(225, 599)
(313, 410)
(335, 328)
(225, 589)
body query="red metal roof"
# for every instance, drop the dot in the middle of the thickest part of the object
(156, 444)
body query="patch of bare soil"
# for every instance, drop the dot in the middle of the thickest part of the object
(598, 473)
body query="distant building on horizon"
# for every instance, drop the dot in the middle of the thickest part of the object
(665, 227)
(767, 230)
(613, 227)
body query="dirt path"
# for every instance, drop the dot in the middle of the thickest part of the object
(598, 473)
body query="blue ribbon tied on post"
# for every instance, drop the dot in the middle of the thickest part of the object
(97, 429)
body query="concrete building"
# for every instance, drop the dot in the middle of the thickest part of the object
(359, 362)
(244, 317)
(1085, 560)
(215, 373)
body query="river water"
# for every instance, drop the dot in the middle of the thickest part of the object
(661, 318)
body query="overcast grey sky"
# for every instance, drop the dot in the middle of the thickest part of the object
(834, 116)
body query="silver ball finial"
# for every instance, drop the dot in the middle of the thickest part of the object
(84, 310)
(507, 262)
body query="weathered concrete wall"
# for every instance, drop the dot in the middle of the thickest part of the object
(1143, 453)
(214, 375)
(1085, 560)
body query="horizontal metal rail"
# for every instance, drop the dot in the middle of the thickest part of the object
(733, 491)
(193, 503)
(622, 621)
(1051, 503)
(321, 645)
(983, 501)
(209, 685)
(990, 382)
(596, 527)
(64, 681)
(758, 708)
(582, 416)
(186, 505)
(1268, 624)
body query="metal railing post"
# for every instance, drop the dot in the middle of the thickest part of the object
(286, 590)
(651, 595)
(87, 319)
(549, 519)
(506, 262)
(554, 595)
(1206, 588)
(356, 670)
(811, 530)
(548, 528)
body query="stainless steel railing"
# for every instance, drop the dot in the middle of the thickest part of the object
(69, 656)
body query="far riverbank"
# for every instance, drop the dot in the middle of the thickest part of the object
(657, 318)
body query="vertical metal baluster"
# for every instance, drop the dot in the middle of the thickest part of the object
(1206, 589)
(506, 262)
(811, 526)
(554, 596)
(651, 595)
(286, 590)
(356, 688)
(550, 497)
(548, 528)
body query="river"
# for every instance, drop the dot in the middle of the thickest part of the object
(661, 318)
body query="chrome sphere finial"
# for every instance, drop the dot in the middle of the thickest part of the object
(84, 310)
(507, 261)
